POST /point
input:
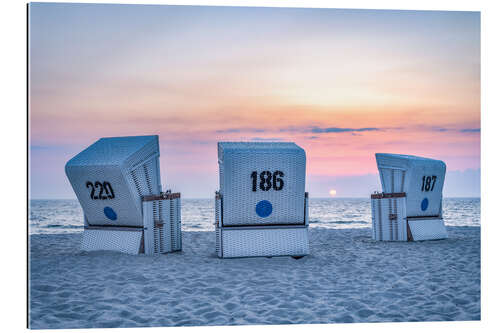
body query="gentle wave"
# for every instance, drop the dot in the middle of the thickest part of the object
(63, 226)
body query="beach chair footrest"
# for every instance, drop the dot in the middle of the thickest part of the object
(262, 241)
(426, 229)
(125, 241)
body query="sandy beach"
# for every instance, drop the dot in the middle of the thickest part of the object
(347, 278)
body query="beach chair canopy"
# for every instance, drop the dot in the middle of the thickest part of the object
(262, 183)
(420, 178)
(110, 177)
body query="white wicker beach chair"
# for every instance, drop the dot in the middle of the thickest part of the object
(110, 179)
(261, 207)
(410, 207)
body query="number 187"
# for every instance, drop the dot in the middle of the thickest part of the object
(428, 183)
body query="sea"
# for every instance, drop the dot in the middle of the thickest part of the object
(66, 216)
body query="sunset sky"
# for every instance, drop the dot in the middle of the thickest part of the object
(342, 84)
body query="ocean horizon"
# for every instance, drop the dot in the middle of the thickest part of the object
(59, 216)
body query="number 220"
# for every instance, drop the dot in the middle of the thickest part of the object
(104, 186)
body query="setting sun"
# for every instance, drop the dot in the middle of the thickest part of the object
(341, 96)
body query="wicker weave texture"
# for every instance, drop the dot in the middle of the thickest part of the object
(427, 229)
(218, 211)
(409, 174)
(239, 160)
(250, 241)
(130, 165)
(262, 241)
(126, 241)
(218, 237)
(175, 224)
(162, 223)
(218, 224)
(306, 210)
(389, 219)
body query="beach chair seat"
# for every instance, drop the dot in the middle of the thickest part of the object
(410, 206)
(261, 207)
(111, 178)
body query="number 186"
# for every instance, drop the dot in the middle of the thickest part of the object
(268, 180)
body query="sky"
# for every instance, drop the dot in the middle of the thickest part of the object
(342, 84)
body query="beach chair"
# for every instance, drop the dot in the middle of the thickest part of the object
(410, 206)
(117, 182)
(261, 208)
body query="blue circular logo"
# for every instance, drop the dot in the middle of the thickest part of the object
(110, 213)
(264, 208)
(424, 204)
